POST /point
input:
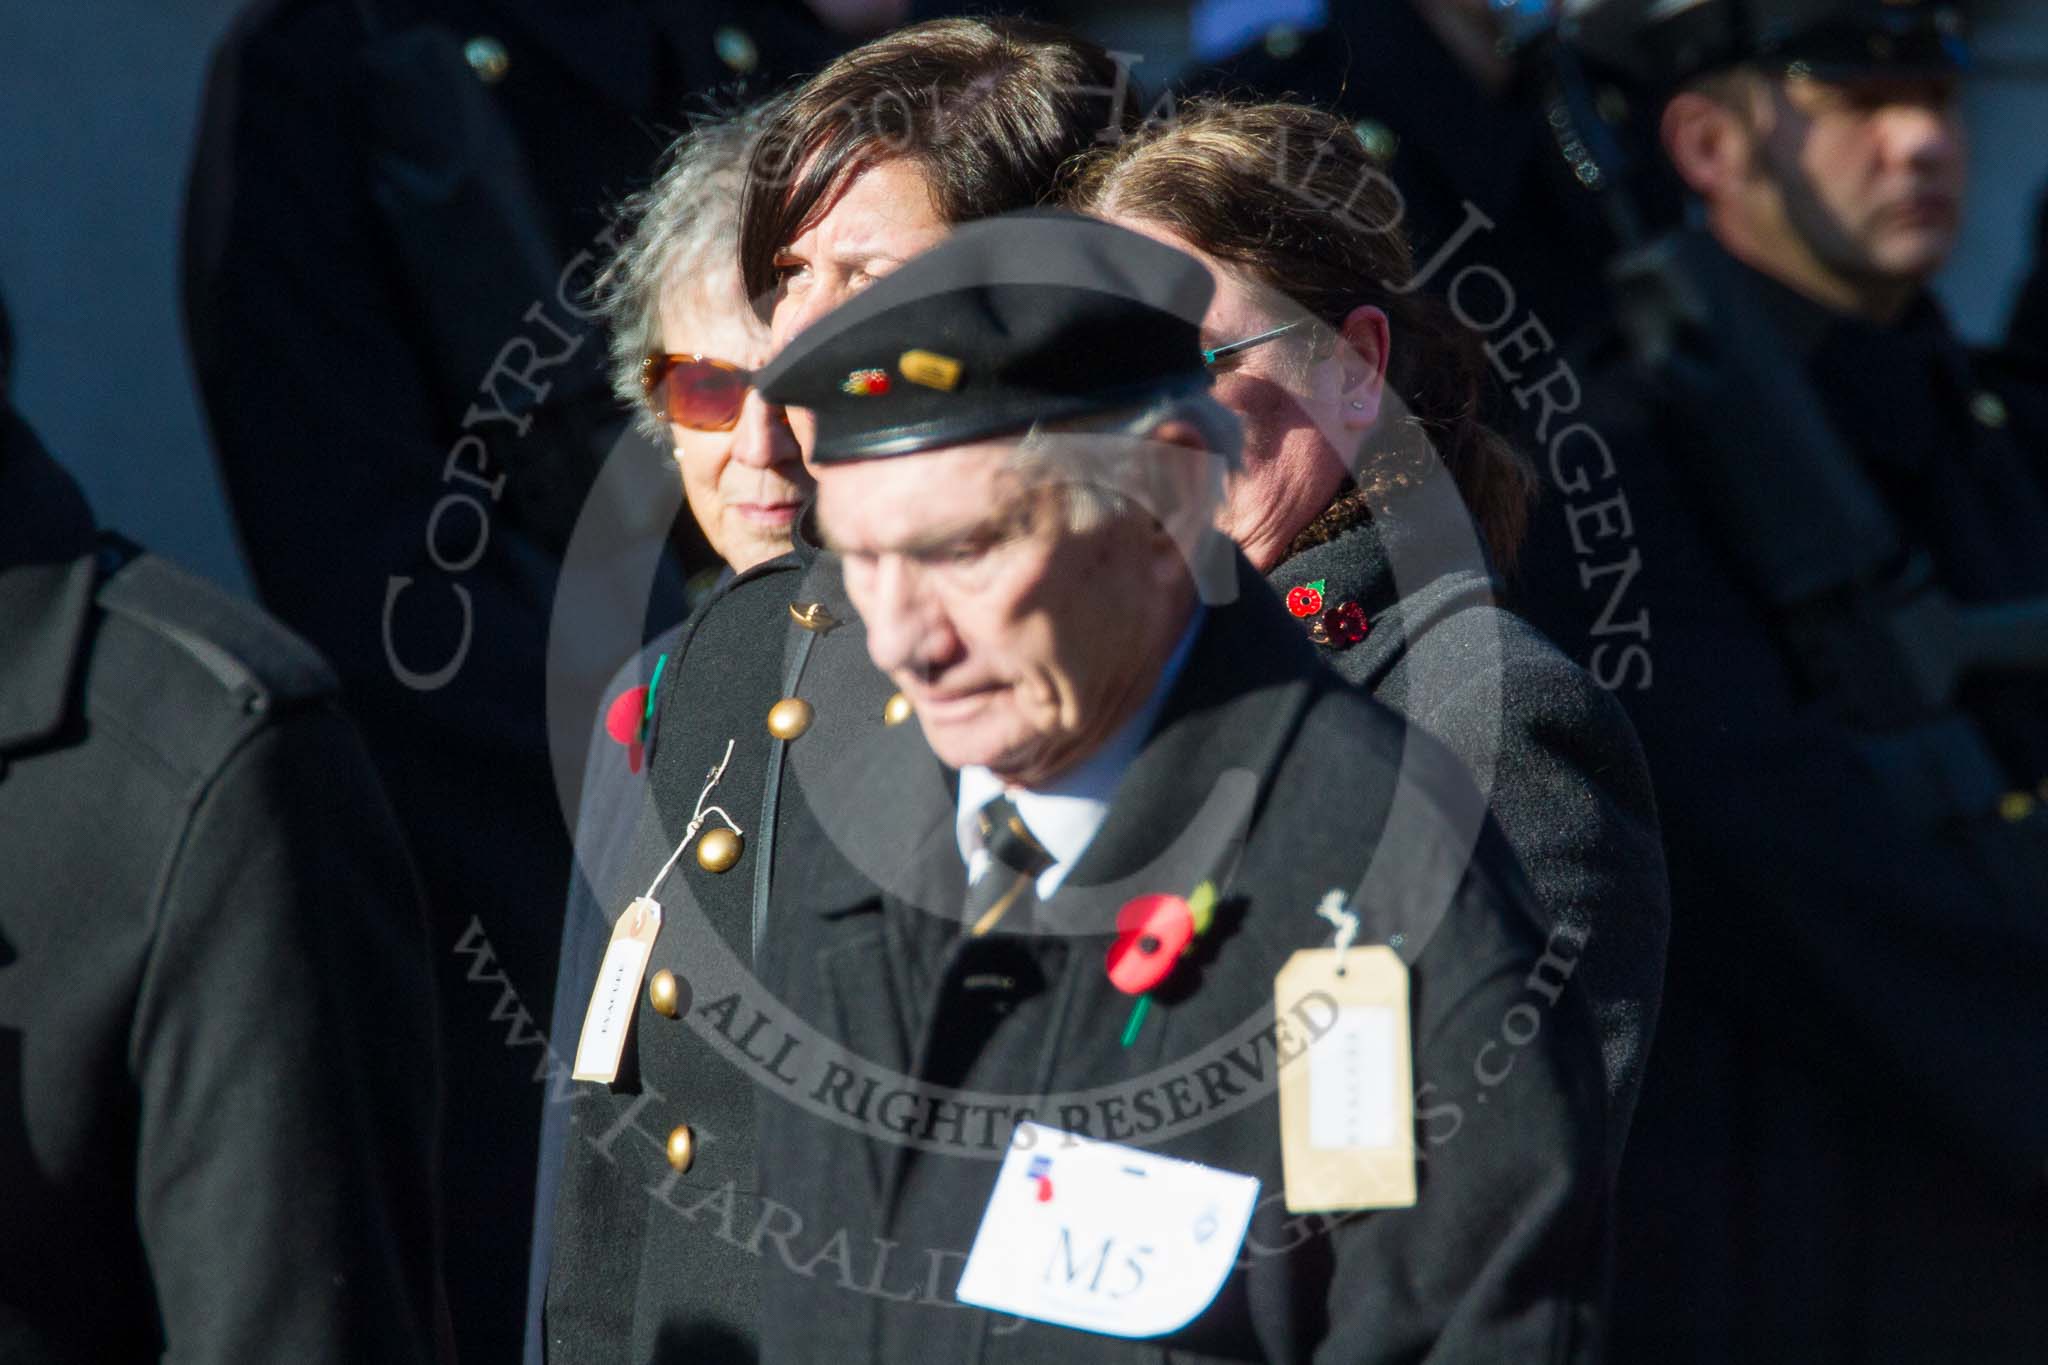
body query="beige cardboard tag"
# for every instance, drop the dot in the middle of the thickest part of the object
(1347, 1127)
(617, 993)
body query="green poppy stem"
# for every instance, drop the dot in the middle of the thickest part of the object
(1137, 1019)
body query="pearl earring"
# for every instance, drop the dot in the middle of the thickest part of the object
(1358, 404)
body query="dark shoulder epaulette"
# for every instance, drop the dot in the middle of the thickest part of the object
(187, 668)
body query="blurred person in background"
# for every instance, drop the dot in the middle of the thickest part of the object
(867, 163)
(1841, 1150)
(395, 214)
(1385, 513)
(219, 1101)
(1447, 117)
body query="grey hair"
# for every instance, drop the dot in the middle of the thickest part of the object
(1117, 468)
(684, 232)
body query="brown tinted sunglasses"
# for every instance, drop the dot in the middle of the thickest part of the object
(695, 391)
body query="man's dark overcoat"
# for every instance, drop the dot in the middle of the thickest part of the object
(1552, 750)
(1841, 1145)
(218, 1079)
(1269, 774)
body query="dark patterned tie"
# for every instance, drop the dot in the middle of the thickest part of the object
(1016, 861)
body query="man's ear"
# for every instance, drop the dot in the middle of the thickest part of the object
(1362, 357)
(1190, 472)
(1708, 143)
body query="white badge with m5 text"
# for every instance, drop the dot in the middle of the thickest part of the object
(1105, 1238)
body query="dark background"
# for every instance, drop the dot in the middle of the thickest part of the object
(98, 103)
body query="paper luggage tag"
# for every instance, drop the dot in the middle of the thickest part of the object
(1103, 1237)
(617, 994)
(1347, 1128)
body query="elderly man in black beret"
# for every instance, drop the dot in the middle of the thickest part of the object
(1155, 984)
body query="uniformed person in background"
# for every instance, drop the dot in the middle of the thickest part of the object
(1842, 1142)
(218, 1062)
(1018, 462)
(1445, 115)
(396, 210)
(867, 163)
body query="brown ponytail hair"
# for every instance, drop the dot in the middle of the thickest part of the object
(1289, 195)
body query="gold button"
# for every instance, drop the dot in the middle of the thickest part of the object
(1989, 409)
(665, 995)
(488, 58)
(896, 710)
(719, 849)
(736, 49)
(789, 718)
(1380, 142)
(682, 1147)
(2014, 807)
(812, 616)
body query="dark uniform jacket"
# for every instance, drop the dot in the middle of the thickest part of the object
(217, 1050)
(649, 1264)
(1270, 775)
(1553, 751)
(1454, 150)
(1841, 1145)
(397, 210)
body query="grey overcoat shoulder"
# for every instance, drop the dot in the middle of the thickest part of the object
(1553, 751)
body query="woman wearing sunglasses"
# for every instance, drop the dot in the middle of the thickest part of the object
(685, 344)
(1380, 508)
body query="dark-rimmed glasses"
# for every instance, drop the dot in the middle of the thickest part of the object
(695, 391)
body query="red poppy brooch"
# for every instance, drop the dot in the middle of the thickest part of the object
(1152, 934)
(626, 719)
(1336, 626)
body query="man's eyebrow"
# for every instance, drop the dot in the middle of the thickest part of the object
(924, 542)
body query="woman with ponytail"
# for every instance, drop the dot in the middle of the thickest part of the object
(1384, 512)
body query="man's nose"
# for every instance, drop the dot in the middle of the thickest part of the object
(1924, 134)
(903, 627)
(761, 439)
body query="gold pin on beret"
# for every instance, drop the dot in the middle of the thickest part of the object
(930, 369)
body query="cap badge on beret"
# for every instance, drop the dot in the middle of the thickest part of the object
(865, 383)
(930, 369)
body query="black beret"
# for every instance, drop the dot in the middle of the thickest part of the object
(1665, 43)
(1011, 320)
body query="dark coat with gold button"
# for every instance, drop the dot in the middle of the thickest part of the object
(1841, 1150)
(396, 210)
(1554, 752)
(648, 1263)
(1453, 148)
(218, 1080)
(1270, 775)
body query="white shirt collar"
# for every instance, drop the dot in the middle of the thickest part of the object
(1065, 813)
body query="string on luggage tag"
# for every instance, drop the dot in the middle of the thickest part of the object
(697, 819)
(1333, 909)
